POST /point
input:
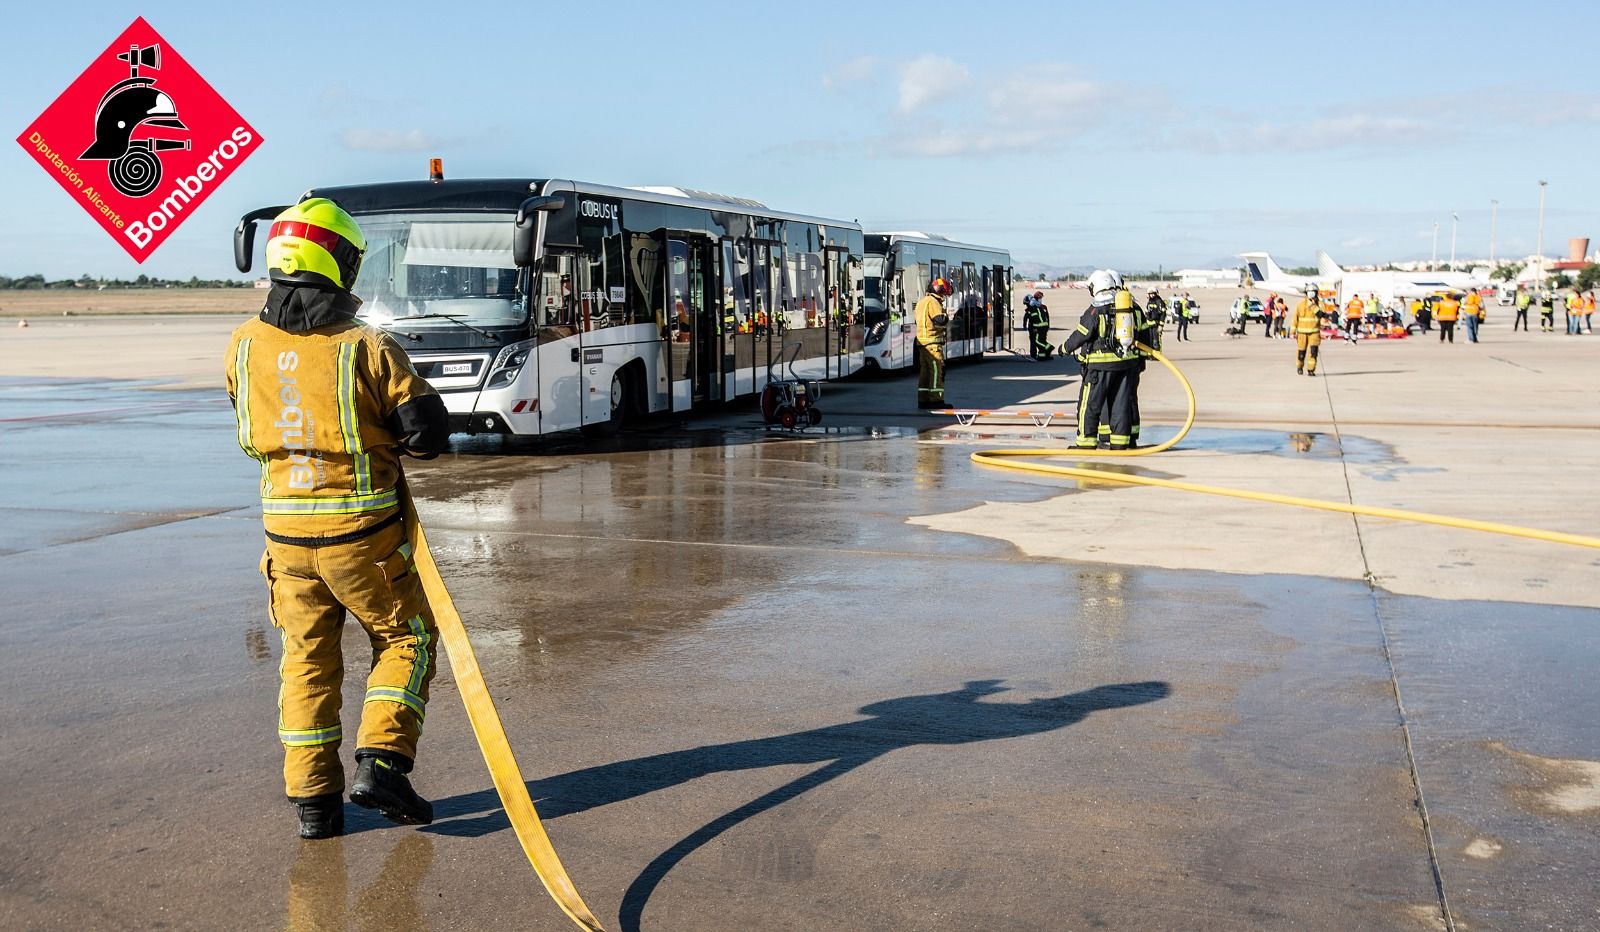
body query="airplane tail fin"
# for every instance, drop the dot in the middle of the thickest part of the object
(1328, 267)
(1260, 267)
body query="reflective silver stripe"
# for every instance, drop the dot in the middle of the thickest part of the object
(309, 737)
(363, 470)
(398, 694)
(241, 380)
(349, 422)
(419, 664)
(331, 504)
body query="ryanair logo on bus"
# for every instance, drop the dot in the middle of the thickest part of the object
(599, 210)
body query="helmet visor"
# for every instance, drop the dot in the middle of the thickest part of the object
(343, 251)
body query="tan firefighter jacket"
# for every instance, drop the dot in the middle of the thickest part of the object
(324, 411)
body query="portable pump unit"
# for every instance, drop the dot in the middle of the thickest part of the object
(792, 402)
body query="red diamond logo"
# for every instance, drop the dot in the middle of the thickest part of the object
(139, 139)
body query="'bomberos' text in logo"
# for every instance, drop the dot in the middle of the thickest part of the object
(139, 139)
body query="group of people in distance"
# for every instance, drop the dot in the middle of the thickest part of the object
(1580, 310)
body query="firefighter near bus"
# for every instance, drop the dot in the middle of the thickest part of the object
(130, 104)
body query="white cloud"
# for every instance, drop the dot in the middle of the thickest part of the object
(855, 72)
(1040, 111)
(1358, 131)
(364, 139)
(928, 78)
(1064, 102)
(944, 142)
(1358, 242)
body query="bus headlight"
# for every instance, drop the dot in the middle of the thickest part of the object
(508, 362)
(876, 333)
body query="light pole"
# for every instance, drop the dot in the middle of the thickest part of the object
(1539, 249)
(1494, 215)
(1454, 219)
(1433, 260)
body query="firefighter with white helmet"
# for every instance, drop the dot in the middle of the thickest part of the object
(1108, 335)
(327, 405)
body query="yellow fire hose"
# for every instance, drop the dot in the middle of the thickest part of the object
(999, 459)
(491, 734)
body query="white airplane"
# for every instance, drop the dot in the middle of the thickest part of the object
(1388, 285)
(1265, 274)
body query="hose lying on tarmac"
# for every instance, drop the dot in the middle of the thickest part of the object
(491, 734)
(1000, 459)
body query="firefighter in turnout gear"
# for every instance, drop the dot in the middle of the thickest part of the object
(1036, 317)
(1106, 335)
(1306, 325)
(932, 325)
(327, 405)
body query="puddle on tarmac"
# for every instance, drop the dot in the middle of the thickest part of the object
(1355, 450)
(669, 437)
(1315, 445)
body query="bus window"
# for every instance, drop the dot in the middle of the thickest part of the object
(646, 287)
(735, 285)
(556, 309)
(603, 288)
(679, 321)
(760, 290)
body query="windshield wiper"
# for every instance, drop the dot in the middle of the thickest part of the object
(450, 317)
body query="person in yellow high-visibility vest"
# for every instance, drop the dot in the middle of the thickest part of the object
(932, 328)
(1472, 314)
(1354, 311)
(1445, 310)
(1306, 325)
(327, 405)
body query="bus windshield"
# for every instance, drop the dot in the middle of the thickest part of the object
(873, 268)
(439, 266)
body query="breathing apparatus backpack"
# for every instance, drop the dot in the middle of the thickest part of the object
(1116, 333)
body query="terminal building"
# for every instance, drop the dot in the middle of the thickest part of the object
(1210, 278)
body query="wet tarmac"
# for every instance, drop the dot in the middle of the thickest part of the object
(749, 692)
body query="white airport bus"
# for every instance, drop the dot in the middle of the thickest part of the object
(898, 269)
(538, 306)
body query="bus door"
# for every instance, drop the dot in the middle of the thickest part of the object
(682, 320)
(832, 322)
(560, 324)
(751, 344)
(693, 350)
(737, 365)
(596, 315)
(704, 305)
(971, 318)
(987, 305)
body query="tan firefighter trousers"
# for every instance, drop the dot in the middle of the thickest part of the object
(311, 587)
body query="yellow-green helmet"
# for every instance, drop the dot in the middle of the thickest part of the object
(315, 242)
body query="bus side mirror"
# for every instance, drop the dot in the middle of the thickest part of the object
(525, 234)
(244, 235)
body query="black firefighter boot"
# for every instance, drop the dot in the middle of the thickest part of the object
(381, 784)
(320, 816)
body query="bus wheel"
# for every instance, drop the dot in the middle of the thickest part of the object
(619, 398)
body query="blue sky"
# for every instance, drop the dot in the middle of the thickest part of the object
(1131, 134)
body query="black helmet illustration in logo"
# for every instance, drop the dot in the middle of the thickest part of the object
(129, 104)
